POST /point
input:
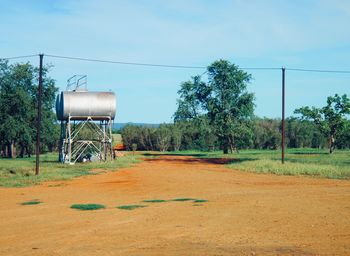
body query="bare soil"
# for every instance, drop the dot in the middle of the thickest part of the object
(246, 213)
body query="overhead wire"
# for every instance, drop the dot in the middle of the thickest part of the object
(148, 64)
(259, 68)
(20, 57)
(174, 66)
(126, 63)
(319, 70)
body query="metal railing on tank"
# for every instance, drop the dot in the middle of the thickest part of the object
(77, 83)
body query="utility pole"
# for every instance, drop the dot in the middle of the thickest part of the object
(283, 109)
(38, 123)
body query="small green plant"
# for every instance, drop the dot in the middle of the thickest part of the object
(200, 201)
(182, 199)
(154, 201)
(34, 201)
(87, 207)
(130, 207)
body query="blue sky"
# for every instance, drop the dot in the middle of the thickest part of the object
(295, 34)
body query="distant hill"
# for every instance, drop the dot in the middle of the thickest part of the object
(118, 126)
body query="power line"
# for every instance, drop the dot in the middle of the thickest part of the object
(174, 66)
(20, 57)
(259, 68)
(148, 64)
(126, 63)
(319, 70)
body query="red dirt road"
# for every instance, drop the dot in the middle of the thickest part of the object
(247, 214)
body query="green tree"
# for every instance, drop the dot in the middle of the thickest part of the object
(331, 119)
(176, 136)
(266, 133)
(18, 92)
(146, 138)
(224, 100)
(343, 140)
(130, 135)
(17, 108)
(163, 137)
(302, 133)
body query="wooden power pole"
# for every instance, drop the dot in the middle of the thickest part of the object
(38, 123)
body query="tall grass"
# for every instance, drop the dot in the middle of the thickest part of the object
(311, 162)
(20, 172)
(302, 161)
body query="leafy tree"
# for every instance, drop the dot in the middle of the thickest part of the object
(343, 140)
(130, 135)
(17, 107)
(303, 133)
(224, 100)
(188, 134)
(205, 137)
(146, 139)
(50, 130)
(163, 137)
(190, 103)
(331, 119)
(176, 136)
(266, 133)
(18, 92)
(243, 135)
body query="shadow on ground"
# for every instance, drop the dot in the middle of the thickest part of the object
(308, 153)
(193, 158)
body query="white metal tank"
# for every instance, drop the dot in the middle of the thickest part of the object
(79, 105)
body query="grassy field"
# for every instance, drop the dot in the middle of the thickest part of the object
(20, 172)
(312, 162)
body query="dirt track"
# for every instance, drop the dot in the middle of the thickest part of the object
(247, 214)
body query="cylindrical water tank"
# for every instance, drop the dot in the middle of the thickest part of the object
(80, 105)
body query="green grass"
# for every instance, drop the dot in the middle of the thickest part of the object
(303, 161)
(200, 201)
(130, 207)
(19, 172)
(87, 207)
(32, 202)
(154, 201)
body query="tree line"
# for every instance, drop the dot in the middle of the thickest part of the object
(18, 104)
(264, 133)
(219, 113)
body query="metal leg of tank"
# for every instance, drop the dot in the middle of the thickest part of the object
(107, 139)
(61, 143)
(70, 141)
(66, 160)
(110, 125)
(104, 141)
